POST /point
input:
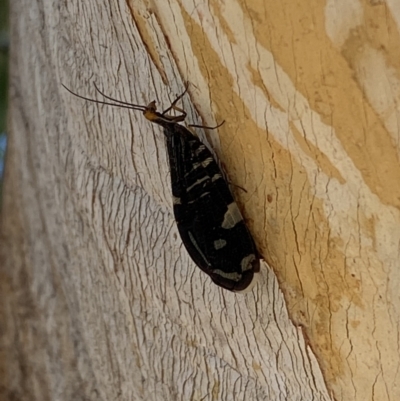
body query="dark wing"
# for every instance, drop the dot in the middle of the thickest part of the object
(209, 221)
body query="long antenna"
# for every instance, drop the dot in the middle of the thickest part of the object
(117, 100)
(119, 103)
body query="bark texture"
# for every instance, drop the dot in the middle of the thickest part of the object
(100, 300)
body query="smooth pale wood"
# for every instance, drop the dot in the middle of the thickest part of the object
(99, 298)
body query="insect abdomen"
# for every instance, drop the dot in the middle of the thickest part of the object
(209, 221)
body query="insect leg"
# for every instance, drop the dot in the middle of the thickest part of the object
(206, 127)
(174, 107)
(236, 186)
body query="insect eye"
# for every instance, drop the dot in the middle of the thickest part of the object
(152, 106)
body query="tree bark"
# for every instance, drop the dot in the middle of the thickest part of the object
(100, 300)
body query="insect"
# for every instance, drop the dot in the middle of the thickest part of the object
(210, 224)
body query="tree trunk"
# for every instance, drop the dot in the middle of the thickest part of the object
(100, 300)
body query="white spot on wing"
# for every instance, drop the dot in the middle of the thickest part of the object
(216, 177)
(206, 162)
(197, 183)
(232, 216)
(176, 200)
(194, 167)
(230, 276)
(197, 247)
(200, 149)
(219, 243)
(246, 263)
